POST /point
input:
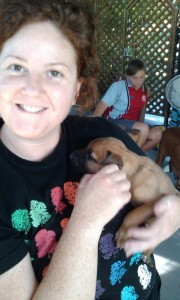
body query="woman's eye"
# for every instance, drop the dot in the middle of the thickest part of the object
(54, 74)
(16, 68)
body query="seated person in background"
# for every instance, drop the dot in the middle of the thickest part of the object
(175, 118)
(125, 103)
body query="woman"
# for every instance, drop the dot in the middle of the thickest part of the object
(125, 104)
(47, 55)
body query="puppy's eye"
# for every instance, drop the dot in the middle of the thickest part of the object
(108, 154)
(90, 155)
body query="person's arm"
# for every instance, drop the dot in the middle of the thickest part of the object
(100, 109)
(18, 283)
(73, 268)
(165, 224)
(108, 100)
(142, 114)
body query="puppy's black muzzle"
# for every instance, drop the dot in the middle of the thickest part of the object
(78, 160)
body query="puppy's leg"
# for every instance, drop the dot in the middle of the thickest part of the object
(134, 218)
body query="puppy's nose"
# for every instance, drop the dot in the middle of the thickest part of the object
(73, 156)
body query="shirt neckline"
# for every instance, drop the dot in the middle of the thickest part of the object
(28, 163)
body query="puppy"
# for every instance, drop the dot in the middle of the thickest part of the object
(148, 182)
(170, 146)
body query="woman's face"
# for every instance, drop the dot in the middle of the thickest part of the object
(138, 79)
(38, 80)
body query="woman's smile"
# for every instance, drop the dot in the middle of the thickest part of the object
(31, 109)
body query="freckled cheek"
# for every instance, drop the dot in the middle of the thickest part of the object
(5, 91)
(8, 88)
(63, 96)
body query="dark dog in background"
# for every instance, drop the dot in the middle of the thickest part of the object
(148, 181)
(170, 146)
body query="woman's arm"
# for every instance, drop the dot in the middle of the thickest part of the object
(72, 272)
(166, 223)
(18, 283)
(73, 268)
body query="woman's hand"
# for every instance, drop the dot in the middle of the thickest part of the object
(101, 196)
(166, 222)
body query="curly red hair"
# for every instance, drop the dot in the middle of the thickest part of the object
(76, 23)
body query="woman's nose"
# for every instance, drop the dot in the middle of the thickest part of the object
(33, 87)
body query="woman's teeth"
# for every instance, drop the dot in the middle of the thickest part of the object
(31, 109)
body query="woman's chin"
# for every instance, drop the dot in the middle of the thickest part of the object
(25, 130)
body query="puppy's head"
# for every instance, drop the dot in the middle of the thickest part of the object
(99, 153)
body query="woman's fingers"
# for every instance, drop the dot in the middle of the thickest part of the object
(168, 210)
(135, 247)
(85, 179)
(162, 206)
(109, 169)
(142, 240)
(100, 196)
(142, 233)
(124, 186)
(166, 222)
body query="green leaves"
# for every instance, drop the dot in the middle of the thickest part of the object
(22, 219)
(39, 213)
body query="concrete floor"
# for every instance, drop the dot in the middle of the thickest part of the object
(167, 257)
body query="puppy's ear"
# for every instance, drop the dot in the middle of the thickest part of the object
(112, 158)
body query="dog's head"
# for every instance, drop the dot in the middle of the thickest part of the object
(99, 153)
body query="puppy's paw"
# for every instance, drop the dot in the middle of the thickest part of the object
(120, 238)
(147, 256)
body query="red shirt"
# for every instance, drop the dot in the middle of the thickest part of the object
(137, 100)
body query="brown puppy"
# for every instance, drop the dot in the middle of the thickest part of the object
(170, 146)
(148, 182)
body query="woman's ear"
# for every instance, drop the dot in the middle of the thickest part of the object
(78, 86)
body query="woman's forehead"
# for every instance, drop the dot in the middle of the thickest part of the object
(41, 39)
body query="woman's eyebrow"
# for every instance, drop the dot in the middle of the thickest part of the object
(50, 64)
(17, 57)
(58, 63)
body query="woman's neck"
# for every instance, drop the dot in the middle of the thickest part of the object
(27, 149)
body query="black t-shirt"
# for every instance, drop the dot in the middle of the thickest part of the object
(36, 202)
